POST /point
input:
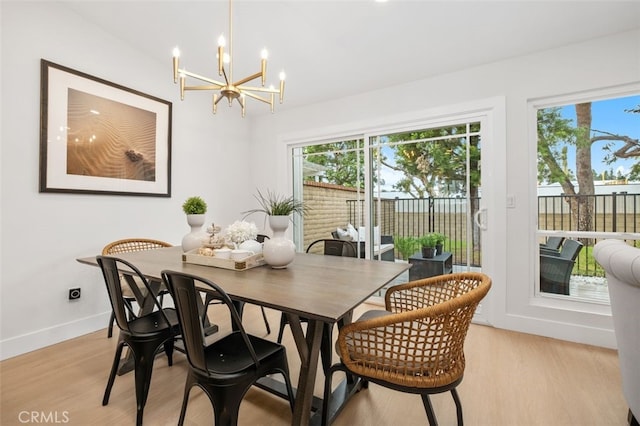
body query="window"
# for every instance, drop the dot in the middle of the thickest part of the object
(588, 188)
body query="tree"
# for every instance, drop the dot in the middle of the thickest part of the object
(630, 149)
(554, 134)
(435, 164)
(344, 162)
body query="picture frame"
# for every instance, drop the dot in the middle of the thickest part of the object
(98, 137)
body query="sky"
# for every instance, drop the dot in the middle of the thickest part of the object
(609, 116)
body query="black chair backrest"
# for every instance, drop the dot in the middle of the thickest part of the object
(261, 237)
(115, 271)
(335, 247)
(570, 249)
(554, 242)
(187, 301)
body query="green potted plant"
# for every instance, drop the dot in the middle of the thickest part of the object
(428, 243)
(273, 204)
(440, 243)
(406, 246)
(194, 205)
(278, 251)
(195, 208)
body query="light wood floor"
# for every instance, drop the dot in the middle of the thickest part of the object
(511, 379)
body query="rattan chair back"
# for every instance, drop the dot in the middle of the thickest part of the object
(417, 344)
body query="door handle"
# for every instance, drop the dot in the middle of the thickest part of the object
(480, 218)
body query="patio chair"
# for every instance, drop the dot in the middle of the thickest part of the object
(552, 245)
(621, 263)
(144, 335)
(129, 245)
(226, 368)
(333, 247)
(555, 269)
(416, 345)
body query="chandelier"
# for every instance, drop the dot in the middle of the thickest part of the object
(229, 89)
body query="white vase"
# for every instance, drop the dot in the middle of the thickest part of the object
(194, 238)
(279, 251)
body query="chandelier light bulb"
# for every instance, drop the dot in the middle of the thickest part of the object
(264, 54)
(226, 58)
(282, 75)
(221, 41)
(176, 52)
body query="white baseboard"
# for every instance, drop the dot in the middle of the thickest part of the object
(19, 345)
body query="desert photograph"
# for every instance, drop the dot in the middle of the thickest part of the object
(109, 139)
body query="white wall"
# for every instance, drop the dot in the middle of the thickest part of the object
(43, 233)
(598, 63)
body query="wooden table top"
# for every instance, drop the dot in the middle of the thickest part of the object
(314, 286)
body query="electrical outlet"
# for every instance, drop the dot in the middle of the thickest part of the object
(74, 293)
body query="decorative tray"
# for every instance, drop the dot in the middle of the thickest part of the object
(249, 262)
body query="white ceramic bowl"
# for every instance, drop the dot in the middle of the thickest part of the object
(222, 253)
(240, 254)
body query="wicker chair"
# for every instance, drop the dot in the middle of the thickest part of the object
(551, 246)
(417, 344)
(555, 269)
(126, 246)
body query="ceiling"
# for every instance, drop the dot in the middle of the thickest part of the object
(331, 49)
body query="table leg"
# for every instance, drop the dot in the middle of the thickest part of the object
(309, 350)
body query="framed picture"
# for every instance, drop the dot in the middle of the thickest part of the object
(98, 137)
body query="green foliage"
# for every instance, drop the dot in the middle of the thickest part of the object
(429, 240)
(194, 205)
(342, 160)
(436, 161)
(406, 246)
(273, 204)
(554, 132)
(440, 237)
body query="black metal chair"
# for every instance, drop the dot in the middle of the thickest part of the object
(144, 335)
(129, 245)
(333, 247)
(259, 238)
(226, 368)
(555, 269)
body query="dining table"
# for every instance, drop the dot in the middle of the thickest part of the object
(317, 289)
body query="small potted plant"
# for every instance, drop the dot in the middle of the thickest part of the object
(440, 244)
(428, 243)
(195, 208)
(194, 205)
(406, 246)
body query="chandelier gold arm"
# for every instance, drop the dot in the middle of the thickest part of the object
(201, 78)
(247, 79)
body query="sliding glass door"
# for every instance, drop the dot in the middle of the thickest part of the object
(393, 189)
